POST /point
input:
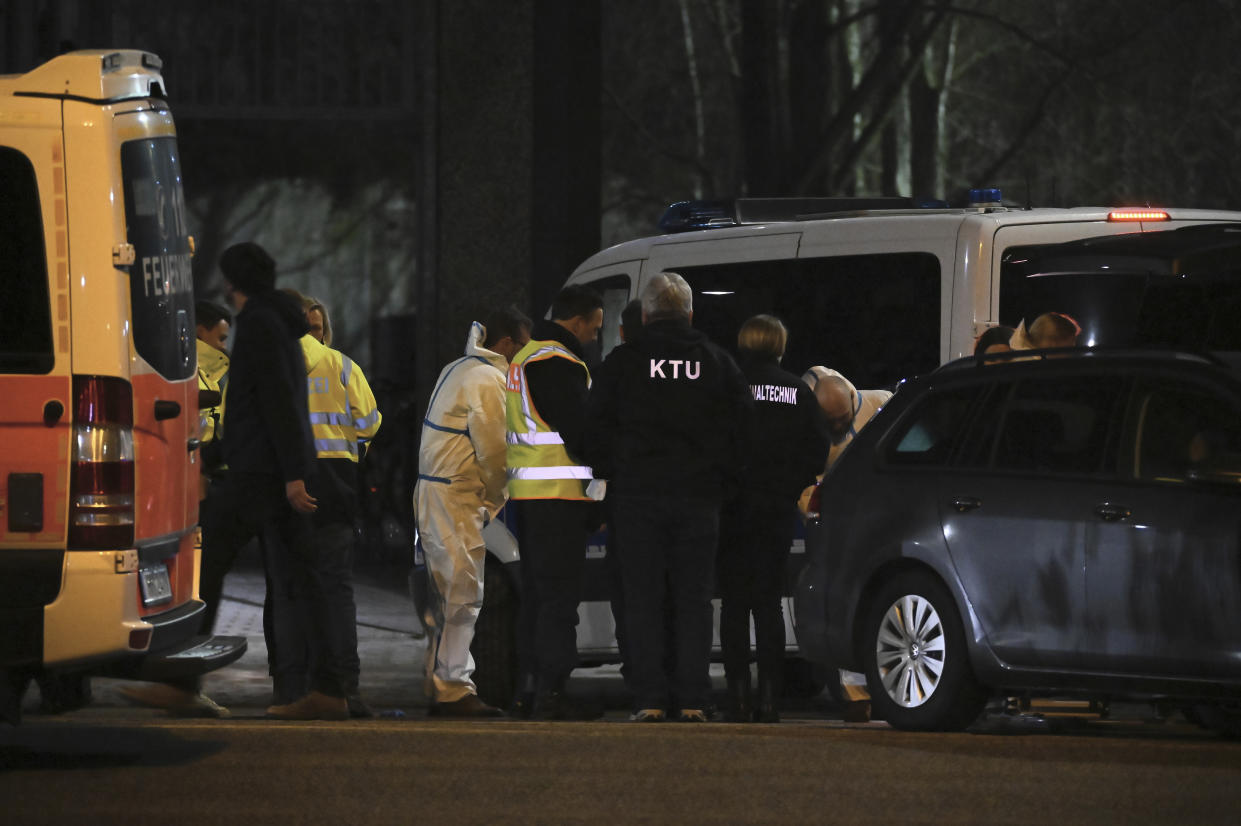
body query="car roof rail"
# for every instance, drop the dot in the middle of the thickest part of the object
(1098, 351)
(685, 216)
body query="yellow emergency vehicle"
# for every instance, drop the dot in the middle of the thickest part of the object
(99, 407)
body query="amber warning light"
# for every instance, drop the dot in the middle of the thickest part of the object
(1139, 215)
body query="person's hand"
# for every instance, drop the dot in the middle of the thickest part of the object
(300, 498)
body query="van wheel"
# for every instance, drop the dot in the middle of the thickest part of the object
(495, 637)
(61, 691)
(917, 666)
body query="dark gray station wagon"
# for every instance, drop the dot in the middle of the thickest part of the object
(1068, 524)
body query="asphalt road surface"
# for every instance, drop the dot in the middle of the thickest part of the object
(133, 766)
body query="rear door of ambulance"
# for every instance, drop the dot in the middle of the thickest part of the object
(156, 290)
(35, 372)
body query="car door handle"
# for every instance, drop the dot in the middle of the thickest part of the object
(1112, 513)
(962, 504)
(193, 444)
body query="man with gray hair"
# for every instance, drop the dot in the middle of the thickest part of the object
(665, 425)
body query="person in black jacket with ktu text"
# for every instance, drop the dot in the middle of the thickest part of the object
(665, 425)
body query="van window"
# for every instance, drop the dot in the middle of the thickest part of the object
(615, 294)
(1177, 289)
(875, 318)
(26, 326)
(161, 283)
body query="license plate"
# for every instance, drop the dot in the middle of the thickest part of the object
(156, 589)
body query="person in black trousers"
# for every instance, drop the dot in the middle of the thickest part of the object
(551, 490)
(666, 418)
(786, 448)
(270, 456)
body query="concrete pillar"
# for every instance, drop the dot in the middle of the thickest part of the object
(508, 184)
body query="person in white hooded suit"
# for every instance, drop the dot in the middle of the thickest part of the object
(461, 486)
(847, 410)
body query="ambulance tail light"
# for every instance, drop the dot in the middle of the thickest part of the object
(1117, 216)
(101, 482)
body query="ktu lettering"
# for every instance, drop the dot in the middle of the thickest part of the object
(692, 369)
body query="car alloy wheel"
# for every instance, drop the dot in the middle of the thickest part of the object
(916, 659)
(909, 650)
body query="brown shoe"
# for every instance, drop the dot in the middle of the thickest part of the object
(857, 711)
(467, 706)
(314, 706)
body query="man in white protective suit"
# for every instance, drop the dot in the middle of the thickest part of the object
(847, 410)
(461, 486)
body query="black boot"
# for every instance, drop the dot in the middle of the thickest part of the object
(523, 698)
(739, 708)
(558, 705)
(768, 710)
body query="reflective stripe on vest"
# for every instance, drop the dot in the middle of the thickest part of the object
(539, 466)
(549, 438)
(336, 448)
(553, 472)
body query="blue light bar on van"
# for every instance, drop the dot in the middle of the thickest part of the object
(986, 197)
(689, 215)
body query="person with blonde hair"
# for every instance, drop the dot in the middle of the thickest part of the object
(320, 322)
(786, 447)
(1048, 331)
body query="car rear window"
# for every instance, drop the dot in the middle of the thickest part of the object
(161, 282)
(26, 329)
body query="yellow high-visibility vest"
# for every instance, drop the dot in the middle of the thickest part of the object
(343, 412)
(212, 367)
(539, 466)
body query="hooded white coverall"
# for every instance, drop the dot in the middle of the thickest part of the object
(866, 404)
(461, 486)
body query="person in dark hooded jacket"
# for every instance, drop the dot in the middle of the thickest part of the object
(269, 452)
(666, 420)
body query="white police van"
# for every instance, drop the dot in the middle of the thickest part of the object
(878, 289)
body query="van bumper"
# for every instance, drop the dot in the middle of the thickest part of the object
(177, 650)
(191, 658)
